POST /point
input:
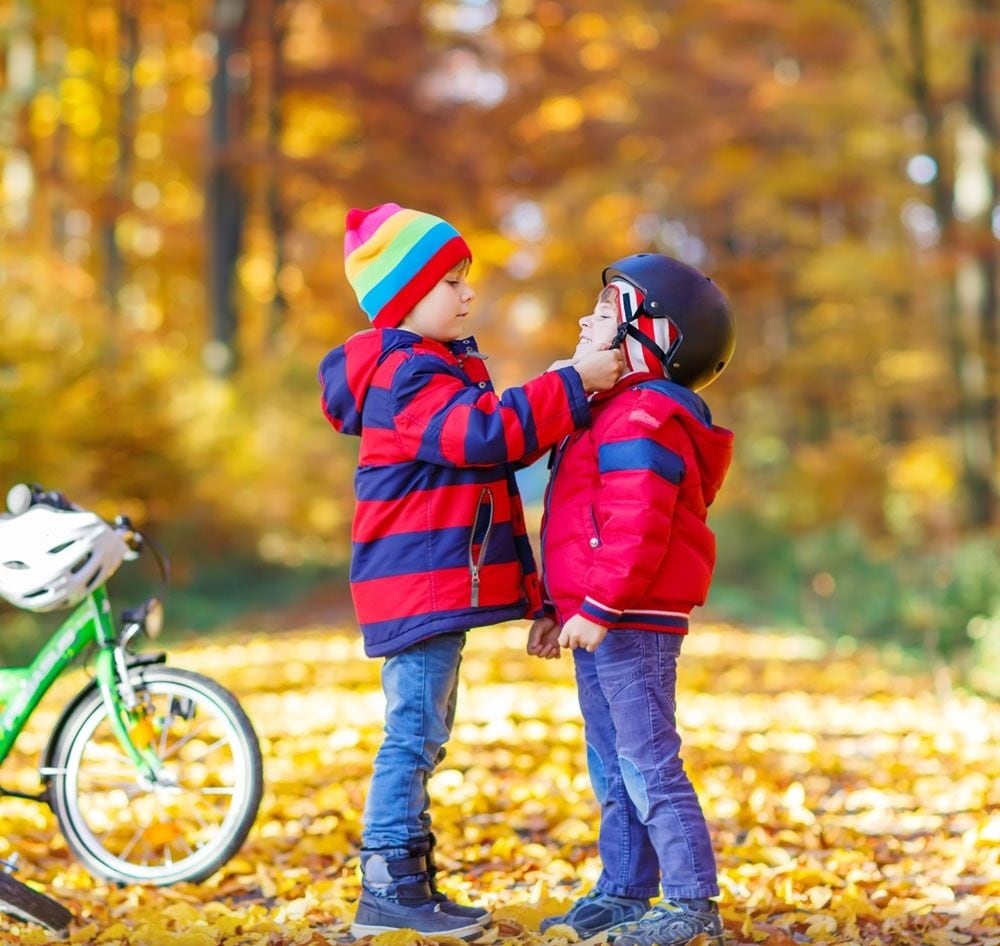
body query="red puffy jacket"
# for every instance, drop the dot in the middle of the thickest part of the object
(624, 539)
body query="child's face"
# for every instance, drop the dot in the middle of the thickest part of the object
(597, 330)
(441, 314)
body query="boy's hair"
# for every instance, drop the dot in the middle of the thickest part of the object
(394, 257)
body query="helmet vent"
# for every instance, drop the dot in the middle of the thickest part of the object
(35, 594)
(56, 549)
(93, 579)
(19, 566)
(83, 561)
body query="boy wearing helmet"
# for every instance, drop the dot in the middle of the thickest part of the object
(439, 542)
(626, 555)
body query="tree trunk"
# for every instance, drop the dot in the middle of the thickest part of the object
(981, 75)
(128, 46)
(275, 209)
(224, 191)
(965, 300)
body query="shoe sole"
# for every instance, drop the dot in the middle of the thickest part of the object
(359, 930)
(710, 941)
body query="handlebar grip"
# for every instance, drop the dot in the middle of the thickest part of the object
(18, 499)
(21, 497)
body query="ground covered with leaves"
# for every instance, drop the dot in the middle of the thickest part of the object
(849, 803)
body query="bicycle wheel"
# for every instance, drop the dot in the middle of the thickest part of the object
(22, 901)
(122, 827)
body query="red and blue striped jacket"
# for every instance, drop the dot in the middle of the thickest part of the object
(438, 538)
(624, 539)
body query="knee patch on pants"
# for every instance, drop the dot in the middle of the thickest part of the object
(635, 785)
(598, 775)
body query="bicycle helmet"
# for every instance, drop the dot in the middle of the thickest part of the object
(673, 319)
(53, 559)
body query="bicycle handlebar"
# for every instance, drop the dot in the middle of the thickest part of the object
(22, 496)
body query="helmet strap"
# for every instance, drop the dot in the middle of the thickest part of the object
(663, 357)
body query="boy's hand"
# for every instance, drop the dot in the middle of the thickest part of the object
(600, 370)
(543, 638)
(560, 363)
(580, 631)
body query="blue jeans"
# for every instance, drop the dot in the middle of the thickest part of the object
(421, 686)
(652, 829)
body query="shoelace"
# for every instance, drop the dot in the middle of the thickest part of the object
(663, 908)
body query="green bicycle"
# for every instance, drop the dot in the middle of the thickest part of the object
(154, 773)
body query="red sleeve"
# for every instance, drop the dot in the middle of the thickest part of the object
(440, 418)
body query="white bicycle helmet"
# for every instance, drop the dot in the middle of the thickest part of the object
(52, 559)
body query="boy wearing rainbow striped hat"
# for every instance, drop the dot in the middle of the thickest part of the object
(439, 540)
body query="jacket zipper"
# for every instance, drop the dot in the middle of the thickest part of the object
(595, 540)
(554, 458)
(476, 564)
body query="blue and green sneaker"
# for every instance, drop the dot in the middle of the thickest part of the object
(597, 912)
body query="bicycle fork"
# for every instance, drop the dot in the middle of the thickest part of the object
(127, 713)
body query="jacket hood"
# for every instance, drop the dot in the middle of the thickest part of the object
(713, 445)
(346, 373)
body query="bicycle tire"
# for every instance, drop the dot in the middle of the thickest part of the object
(25, 903)
(191, 830)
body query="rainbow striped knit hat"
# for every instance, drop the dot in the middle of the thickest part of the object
(394, 257)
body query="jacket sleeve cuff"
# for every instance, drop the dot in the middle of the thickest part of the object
(599, 613)
(576, 396)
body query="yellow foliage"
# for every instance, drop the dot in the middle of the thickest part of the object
(766, 742)
(926, 469)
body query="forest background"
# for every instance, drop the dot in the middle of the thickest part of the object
(173, 186)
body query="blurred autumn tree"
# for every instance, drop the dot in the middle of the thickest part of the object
(175, 177)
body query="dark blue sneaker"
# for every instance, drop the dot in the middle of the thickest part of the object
(380, 915)
(672, 923)
(597, 912)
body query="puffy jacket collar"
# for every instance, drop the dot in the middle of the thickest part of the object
(684, 396)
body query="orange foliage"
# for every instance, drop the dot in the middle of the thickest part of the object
(848, 805)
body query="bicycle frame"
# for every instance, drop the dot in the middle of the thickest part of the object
(22, 688)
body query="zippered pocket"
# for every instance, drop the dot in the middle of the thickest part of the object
(595, 533)
(477, 550)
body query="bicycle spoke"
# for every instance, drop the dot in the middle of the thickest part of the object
(132, 843)
(101, 777)
(115, 756)
(164, 735)
(184, 741)
(129, 789)
(202, 823)
(221, 741)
